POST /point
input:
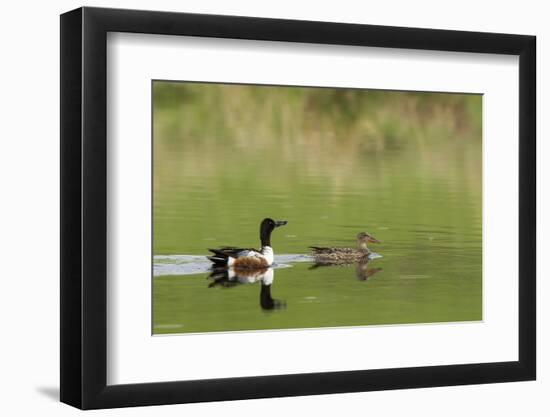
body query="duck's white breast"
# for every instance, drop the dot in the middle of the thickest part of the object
(267, 252)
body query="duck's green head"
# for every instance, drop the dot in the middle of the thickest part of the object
(266, 227)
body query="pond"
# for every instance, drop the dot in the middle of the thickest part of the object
(405, 167)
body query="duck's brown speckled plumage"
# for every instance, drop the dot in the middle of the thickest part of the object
(337, 255)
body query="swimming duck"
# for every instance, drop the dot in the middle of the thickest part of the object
(242, 258)
(344, 255)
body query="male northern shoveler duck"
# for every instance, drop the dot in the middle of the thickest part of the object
(242, 258)
(344, 255)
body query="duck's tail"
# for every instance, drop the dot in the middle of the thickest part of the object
(319, 249)
(220, 258)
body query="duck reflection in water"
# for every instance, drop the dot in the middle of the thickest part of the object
(231, 277)
(362, 271)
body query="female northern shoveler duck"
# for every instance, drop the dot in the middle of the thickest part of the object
(230, 256)
(344, 255)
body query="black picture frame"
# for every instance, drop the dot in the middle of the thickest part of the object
(84, 207)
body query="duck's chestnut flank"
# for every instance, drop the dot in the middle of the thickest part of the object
(250, 262)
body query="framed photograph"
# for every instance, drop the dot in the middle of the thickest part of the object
(257, 208)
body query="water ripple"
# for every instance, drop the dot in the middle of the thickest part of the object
(197, 264)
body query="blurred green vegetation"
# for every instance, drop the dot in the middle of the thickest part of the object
(254, 117)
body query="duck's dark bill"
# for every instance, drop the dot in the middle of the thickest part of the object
(280, 223)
